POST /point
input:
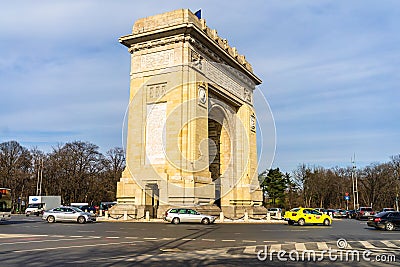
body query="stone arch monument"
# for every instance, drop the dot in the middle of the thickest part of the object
(191, 125)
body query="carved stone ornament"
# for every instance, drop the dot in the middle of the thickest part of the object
(202, 94)
(252, 122)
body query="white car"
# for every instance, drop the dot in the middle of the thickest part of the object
(275, 211)
(178, 215)
(67, 214)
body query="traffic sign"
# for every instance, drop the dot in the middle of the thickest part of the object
(346, 197)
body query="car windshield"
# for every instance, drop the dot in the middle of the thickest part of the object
(295, 210)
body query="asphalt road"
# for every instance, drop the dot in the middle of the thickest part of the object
(28, 241)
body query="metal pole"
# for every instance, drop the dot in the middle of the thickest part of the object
(353, 184)
(38, 178)
(356, 182)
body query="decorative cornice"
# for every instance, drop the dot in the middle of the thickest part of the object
(156, 43)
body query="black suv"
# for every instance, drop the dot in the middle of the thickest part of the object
(385, 220)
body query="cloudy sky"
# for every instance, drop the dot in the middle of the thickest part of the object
(330, 72)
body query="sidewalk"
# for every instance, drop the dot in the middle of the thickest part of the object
(217, 221)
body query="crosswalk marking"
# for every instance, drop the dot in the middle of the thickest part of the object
(389, 244)
(368, 245)
(322, 246)
(250, 250)
(276, 247)
(300, 246)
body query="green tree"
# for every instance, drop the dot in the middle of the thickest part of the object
(274, 184)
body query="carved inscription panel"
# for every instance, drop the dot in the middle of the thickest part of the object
(155, 92)
(156, 60)
(155, 133)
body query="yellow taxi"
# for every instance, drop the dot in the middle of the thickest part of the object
(304, 216)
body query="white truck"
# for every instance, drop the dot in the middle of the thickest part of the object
(38, 204)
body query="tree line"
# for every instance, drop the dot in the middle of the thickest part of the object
(76, 171)
(318, 187)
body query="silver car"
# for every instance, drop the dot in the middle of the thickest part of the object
(67, 214)
(178, 215)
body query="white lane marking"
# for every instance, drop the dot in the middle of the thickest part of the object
(389, 244)
(270, 241)
(298, 230)
(85, 231)
(300, 246)
(205, 239)
(391, 233)
(188, 239)
(170, 249)
(45, 240)
(68, 247)
(112, 237)
(132, 237)
(366, 244)
(76, 236)
(250, 250)
(228, 240)
(19, 235)
(149, 238)
(276, 247)
(249, 241)
(322, 246)
(168, 238)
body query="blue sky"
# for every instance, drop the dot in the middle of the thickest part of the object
(330, 72)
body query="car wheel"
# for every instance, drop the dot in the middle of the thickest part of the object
(327, 222)
(51, 219)
(175, 221)
(205, 221)
(290, 222)
(301, 222)
(389, 226)
(81, 219)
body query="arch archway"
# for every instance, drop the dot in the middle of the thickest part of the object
(220, 136)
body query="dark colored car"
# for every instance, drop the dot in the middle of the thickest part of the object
(385, 220)
(351, 214)
(339, 213)
(329, 212)
(364, 213)
(87, 208)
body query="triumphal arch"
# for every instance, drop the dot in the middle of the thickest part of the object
(191, 125)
